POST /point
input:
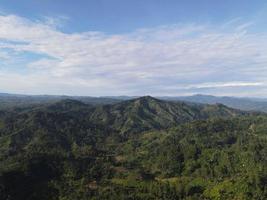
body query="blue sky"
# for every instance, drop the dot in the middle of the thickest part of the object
(118, 16)
(141, 47)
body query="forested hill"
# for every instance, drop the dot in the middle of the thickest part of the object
(234, 102)
(147, 113)
(16, 100)
(131, 116)
(142, 148)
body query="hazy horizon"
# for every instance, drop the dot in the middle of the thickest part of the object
(134, 96)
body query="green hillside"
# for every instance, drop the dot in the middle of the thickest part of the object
(249, 104)
(143, 148)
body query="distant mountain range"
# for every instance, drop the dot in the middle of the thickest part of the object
(17, 100)
(126, 117)
(246, 104)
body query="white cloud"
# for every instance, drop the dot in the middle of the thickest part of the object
(146, 61)
(222, 85)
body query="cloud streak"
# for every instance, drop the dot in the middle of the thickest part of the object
(170, 60)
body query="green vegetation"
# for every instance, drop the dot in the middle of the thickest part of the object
(250, 104)
(138, 149)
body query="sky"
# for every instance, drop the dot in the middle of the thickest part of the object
(140, 47)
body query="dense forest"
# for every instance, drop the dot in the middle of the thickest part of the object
(138, 149)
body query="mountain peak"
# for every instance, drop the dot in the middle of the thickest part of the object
(146, 98)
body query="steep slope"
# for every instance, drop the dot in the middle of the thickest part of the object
(147, 113)
(69, 120)
(131, 116)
